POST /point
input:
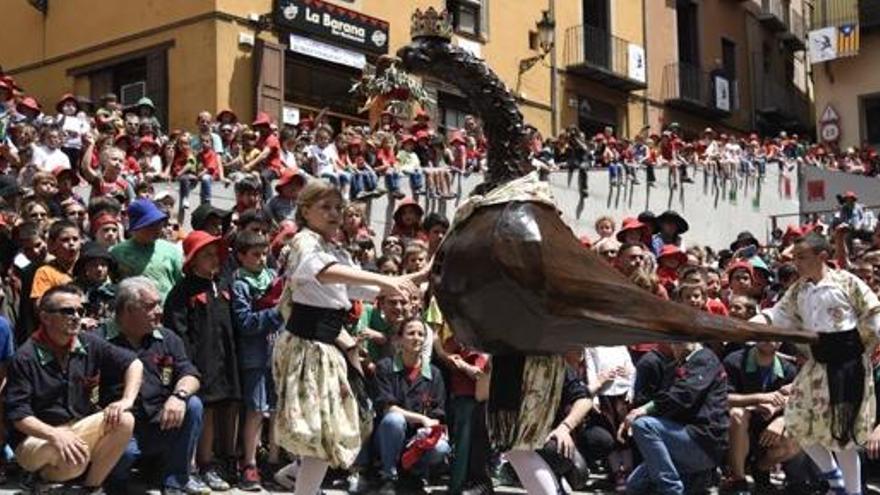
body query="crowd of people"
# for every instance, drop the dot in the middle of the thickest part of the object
(282, 339)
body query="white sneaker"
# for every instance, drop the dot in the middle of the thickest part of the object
(286, 476)
(185, 203)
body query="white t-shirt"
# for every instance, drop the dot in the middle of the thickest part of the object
(601, 358)
(73, 128)
(47, 160)
(325, 159)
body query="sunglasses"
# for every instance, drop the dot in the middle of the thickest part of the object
(69, 311)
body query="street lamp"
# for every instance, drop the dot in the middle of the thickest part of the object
(547, 46)
(546, 32)
(546, 39)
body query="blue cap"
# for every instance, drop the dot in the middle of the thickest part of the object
(144, 213)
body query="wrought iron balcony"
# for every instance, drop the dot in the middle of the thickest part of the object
(795, 36)
(774, 15)
(780, 103)
(695, 90)
(605, 58)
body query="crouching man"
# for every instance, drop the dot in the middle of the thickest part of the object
(168, 414)
(759, 382)
(54, 394)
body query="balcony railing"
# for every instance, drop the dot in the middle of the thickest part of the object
(603, 57)
(782, 102)
(699, 91)
(773, 14)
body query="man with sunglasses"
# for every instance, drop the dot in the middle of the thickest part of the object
(55, 394)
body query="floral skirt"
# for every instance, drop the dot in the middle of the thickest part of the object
(521, 413)
(317, 413)
(808, 412)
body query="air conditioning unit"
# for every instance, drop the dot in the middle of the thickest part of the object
(131, 93)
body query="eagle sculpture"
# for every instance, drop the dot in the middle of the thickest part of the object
(510, 277)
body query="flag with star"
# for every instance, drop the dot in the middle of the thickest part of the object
(848, 40)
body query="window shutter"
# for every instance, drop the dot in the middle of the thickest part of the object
(269, 66)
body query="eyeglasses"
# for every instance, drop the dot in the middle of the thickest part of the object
(69, 311)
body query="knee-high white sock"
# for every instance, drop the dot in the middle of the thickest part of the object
(850, 464)
(825, 461)
(311, 475)
(534, 474)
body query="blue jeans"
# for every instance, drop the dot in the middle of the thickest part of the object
(668, 452)
(390, 438)
(392, 180)
(615, 170)
(338, 179)
(267, 175)
(187, 181)
(176, 447)
(363, 180)
(416, 181)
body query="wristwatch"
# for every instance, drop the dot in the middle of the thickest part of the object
(181, 394)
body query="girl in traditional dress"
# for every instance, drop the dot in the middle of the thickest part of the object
(831, 407)
(321, 414)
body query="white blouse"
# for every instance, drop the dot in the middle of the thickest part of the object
(309, 256)
(603, 358)
(837, 303)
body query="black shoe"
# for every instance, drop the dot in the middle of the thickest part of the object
(688, 180)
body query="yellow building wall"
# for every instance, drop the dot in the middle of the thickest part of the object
(852, 78)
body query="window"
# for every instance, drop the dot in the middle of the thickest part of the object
(728, 57)
(688, 45)
(871, 108)
(469, 16)
(318, 84)
(453, 110)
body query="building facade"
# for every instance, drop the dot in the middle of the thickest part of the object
(626, 64)
(850, 86)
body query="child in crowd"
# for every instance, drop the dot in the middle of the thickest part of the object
(131, 170)
(435, 227)
(354, 224)
(92, 275)
(45, 188)
(257, 321)
(410, 165)
(605, 227)
(670, 260)
(210, 168)
(149, 160)
(386, 165)
(198, 309)
(743, 307)
(415, 256)
(67, 180)
(408, 221)
(363, 179)
(64, 246)
(108, 180)
(73, 125)
(283, 205)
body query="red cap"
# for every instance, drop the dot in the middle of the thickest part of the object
(423, 134)
(671, 250)
(457, 138)
(196, 241)
(632, 223)
(30, 103)
(741, 265)
(422, 114)
(850, 195)
(793, 231)
(409, 138)
(262, 119)
(288, 176)
(147, 141)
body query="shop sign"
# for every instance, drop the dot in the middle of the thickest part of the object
(324, 51)
(333, 23)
